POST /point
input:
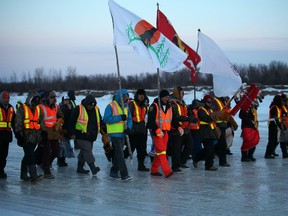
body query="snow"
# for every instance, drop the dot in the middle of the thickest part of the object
(258, 188)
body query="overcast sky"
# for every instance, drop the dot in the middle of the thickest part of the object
(56, 34)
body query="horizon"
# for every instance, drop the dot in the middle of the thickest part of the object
(56, 35)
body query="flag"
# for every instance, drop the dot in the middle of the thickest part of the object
(129, 29)
(166, 28)
(226, 80)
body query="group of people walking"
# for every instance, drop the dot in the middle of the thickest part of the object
(199, 130)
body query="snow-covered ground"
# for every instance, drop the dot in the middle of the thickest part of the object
(258, 188)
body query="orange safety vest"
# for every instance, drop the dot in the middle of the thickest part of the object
(208, 112)
(166, 118)
(139, 112)
(5, 120)
(50, 115)
(195, 126)
(31, 121)
(182, 110)
(279, 113)
(285, 118)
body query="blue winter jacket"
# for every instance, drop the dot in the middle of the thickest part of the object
(110, 119)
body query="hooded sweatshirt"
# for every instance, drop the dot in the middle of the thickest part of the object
(110, 119)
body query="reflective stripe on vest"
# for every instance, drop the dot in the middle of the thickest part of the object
(182, 110)
(117, 127)
(50, 115)
(165, 118)
(5, 120)
(220, 108)
(82, 120)
(139, 113)
(31, 121)
(212, 124)
(195, 126)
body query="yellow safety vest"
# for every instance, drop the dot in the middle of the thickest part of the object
(212, 124)
(82, 120)
(117, 127)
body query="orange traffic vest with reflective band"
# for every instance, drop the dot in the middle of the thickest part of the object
(212, 124)
(285, 118)
(195, 126)
(31, 121)
(166, 118)
(139, 112)
(50, 115)
(82, 120)
(279, 113)
(117, 127)
(182, 110)
(5, 120)
(220, 106)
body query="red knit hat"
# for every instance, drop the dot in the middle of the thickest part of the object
(5, 95)
(208, 98)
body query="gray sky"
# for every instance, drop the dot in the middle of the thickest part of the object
(57, 34)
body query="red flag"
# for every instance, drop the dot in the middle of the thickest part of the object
(166, 28)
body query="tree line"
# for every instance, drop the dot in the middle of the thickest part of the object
(275, 73)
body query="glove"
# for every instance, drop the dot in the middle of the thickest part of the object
(127, 131)
(181, 131)
(159, 133)
(123, 117)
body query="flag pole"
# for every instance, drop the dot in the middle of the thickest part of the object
(196, 67)
(158, 83)
(122, 104)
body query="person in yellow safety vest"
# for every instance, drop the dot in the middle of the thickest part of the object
(138, 136)
(181, 139)
(208, 134)
(274, 126)
(29, 124)
(119, 124)
(85, 123)
(7, 116)
(219, 105)
(283, 145)
(53, 118)
(159, 124)
(194, 127)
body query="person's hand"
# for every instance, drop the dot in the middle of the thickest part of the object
(181, 131)
(73, 137)
(159, 132)
(123, 117)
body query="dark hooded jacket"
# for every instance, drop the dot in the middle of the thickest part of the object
(28, 135)
(92, 127)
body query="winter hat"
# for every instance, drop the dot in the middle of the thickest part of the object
(163, 93)
(52, 94)
(140, 92)
(207, 98)
(71, 94)
(5, 95)
(284, 97)
(66, 97)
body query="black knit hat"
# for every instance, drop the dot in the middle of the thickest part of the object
(140, 92)
(163, 93)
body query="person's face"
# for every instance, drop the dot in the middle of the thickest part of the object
(209, 103)
(125, 98)
(165, 99)
(91, 106)
(66, 101)
(141, 97)
(181, 95)
(52, 100)
(6, 101)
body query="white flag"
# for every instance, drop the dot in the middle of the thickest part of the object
(130, 29)
(226, 80)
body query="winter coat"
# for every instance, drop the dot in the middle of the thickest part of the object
(92, 127)
(66, 110)
(110, 119)
(28, 135)
(6, 136)
(247, 118)
(205, 131)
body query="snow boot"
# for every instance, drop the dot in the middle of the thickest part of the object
(33, 174)
(284, 150)
(80, 168)
(61, 162)
(24, 172)
(93, 168)
(250, 154)
(245, 157)
(141, 167)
